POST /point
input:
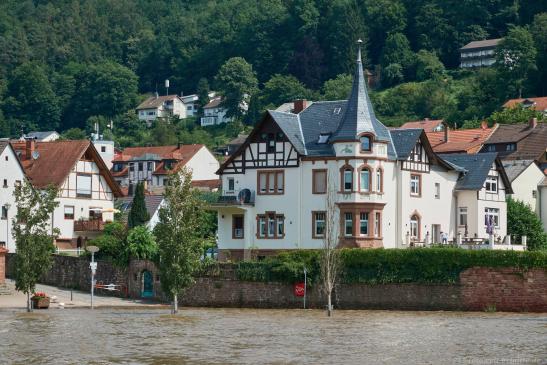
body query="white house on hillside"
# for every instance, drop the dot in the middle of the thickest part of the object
(161, 107)
(86, 187)
(11, 176)
(388, 187)
(214, 113)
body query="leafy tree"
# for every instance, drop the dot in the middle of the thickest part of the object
(428, 66)
(31, 99)
(397, 51)
(113, 243)
(282, 89)
(392, 74)
(74, 134)
(33, 236)
(514, 115)
(177, 235)
(522, 221)
(138, 215)
(237, 82)
(255, 110)
(203, 94)
(539, 34)
(338, 88)
(161, 133)
(141, 244)
(515, 59)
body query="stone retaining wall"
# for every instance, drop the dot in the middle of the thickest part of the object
(501, 289)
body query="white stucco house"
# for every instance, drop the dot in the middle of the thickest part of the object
(86, 188)
(47, 136)
(153, 164)
(214, 113)
(389, 189)
(161, 107)
(12, 175)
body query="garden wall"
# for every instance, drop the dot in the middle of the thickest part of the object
(478, 288)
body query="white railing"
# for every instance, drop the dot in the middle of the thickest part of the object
(70, 251)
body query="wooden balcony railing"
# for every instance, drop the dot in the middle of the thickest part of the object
(89, 226)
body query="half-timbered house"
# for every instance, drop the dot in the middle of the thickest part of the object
(389, 187)
(86, 189)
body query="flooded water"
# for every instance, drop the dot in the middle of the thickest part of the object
(242, 336)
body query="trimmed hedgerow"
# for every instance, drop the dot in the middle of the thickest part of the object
(381, 266)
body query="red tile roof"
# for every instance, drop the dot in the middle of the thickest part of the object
(539, 103)
(53, 162)
(182, 154)
(426, 124)
(460, 140)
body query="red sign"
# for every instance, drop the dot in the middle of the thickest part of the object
(299, 289)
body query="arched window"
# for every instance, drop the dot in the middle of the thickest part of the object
(364, 180)
(415, 227)
(348, 179)
(366, 143)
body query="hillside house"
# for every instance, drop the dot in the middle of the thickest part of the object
(460, 140)
(479, 53)
(538, 104)
(161, 107)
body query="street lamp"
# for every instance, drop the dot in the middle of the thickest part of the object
(93, 267)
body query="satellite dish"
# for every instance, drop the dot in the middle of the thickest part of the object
(35, 155)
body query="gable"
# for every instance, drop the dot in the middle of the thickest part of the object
(267, 146)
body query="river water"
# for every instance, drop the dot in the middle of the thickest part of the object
(246, 336)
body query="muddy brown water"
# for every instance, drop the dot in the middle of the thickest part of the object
(245, 336)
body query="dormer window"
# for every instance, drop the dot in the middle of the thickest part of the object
(323, 138)
(366, 143)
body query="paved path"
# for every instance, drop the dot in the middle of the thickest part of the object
(79, 299)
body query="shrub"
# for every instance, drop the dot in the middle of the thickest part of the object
(381, 266)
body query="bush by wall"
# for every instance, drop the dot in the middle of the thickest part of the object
(381, 266)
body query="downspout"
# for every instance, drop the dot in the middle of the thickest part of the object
(455, 215)
(300, 218)
(398, 213)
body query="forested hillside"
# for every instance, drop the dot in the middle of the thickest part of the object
(67, 63)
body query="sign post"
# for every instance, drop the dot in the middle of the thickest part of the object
(305, 285)
(93, 267)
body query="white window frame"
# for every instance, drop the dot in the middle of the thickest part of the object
(491, 185)
(495, 213)
(319, 218)
(415, 181)
(364, 176)
(462, 212)
(363, 222)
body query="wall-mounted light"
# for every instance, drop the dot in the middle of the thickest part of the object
(222, 216)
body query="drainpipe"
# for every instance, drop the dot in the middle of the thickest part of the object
(398, 212)
(300, 218)
(455, 214)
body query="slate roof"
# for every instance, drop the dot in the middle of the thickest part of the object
(289, 123)
(476, 169)
(513, 168)
(152, 203)
(40, 135)
(482, 44)
(155, 102)
(537, 103)
(358, 116)
(404, 141)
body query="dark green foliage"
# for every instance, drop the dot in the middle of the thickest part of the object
(522, 221)
(138, 215)
(237, 82)
(381, 266)
(282, 89)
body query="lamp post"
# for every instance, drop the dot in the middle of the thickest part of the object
(93, 266)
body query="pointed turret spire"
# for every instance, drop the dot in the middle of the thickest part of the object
(359, 116)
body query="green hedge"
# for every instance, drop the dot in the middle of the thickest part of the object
(381, 266)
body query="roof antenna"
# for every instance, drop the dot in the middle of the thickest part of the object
(167, 87)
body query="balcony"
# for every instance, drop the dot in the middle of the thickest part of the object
(94, 225)
(239, 198)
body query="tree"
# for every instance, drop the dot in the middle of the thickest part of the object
(74, 134)
(203, 94)
(330, 254)
(255, 110)
(138, 215)
(237, 82)
(141, 244)
(397, 51)
(177, 235)
(392, 74)
(282, 89)
(113, 243)
(338, 88)
(514, 115)
(31, 99)
(522, 221)
(33, 236)
(428, 65)
(539, 34)
(515, 59)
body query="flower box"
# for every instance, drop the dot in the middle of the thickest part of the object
(40, 301)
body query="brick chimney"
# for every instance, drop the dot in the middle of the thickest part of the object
(300, 105)
(446, 134)
(29, 148)
(533, 123)
(484, 124)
